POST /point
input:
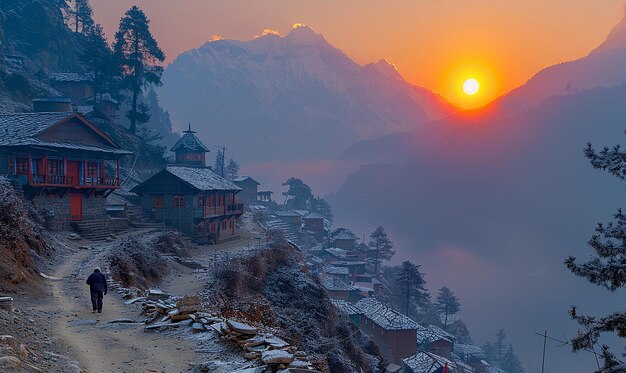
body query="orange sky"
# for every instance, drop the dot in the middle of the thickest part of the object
(434, 43)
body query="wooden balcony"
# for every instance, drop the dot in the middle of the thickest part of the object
(214, 211)
(71, 182)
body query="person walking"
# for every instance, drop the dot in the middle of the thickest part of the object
(98, 288)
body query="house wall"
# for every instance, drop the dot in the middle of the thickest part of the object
(249, 192)
(441, 348)
(316, 226)
(94, 208)
(345, 244)
(74, 131)
(395, 345)
(4, 162)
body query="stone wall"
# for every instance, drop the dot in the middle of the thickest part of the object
(56, 210)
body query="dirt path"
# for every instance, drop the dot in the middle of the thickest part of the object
(103, 347)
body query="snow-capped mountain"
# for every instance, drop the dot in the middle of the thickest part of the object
(291, 97)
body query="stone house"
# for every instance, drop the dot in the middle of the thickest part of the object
(190, 197)
(249, 188)
(65, 165)
(435, 340)
(393, 332)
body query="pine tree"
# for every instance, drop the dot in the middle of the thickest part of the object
(299, 195)
(98, 58)
(219, 162)
(382, 246)
(410, 282)
(139, 56)
(495, 351)
(447, 303)
(607, 268)
(511, 363)
(79, 16)
(232, 170)
(320, 206)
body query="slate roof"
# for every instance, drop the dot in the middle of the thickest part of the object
(201, 178)
(332, 270)
(331, 283)
(425, 362)
(429, 334)
(244, 178)
(72, 77)
(343, 234)
(469, 350)
(313, 215)
(189, 142)
(385, 316)
(336, 252)
(345, 307)
(21, 129)
(288, 213)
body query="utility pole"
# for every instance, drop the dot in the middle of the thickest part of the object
(543, 359)
(223, 159)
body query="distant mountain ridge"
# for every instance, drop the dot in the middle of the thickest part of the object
(270, 92)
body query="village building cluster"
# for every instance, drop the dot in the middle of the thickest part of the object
(62, 160)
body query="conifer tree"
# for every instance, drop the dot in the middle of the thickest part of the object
(382, 246)
(140, 59)
(98, 58)
(299, 195)
(232, 170)
(410, 282)
(607, 268)
(219, 162)
(447, 303)
(511, 362)
(79, 16)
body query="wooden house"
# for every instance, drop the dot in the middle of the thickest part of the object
(78, 86)
(249, 188)
(343, 238)
(190, 197)
(427, 362)
(435, 340)
(63, 162)
(393, 332)
(338, 289)
(314, 223)
(264, 196)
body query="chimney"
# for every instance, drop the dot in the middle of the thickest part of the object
(52, 105)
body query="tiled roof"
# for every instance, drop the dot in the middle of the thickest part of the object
(429, 334)
(386, 317)
(336, 252)
(288, 213)
(313, 215)
(334, 284)
(20, 129)
(72, 77)
(244, 178)
(345, 307)
(425, 362)
(343, 234)
(189, 142)
(202, 178)
(469, 350)
(332, 270)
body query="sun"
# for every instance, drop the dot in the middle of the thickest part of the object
(471, 86)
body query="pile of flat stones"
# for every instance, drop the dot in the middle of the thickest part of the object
(270, 350)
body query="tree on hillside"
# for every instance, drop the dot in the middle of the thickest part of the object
(447, 303)
(140, 59)
(607, 268)
(382, 246)
(232, 170)
(511, 363)
(298, 195)
(219, 163)
(496, 350)
(98, 58)
(410, 283)
(80, 16)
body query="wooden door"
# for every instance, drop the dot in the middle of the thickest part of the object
(76, 207)
(73, 172)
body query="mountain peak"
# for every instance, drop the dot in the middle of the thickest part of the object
(303, 34)
(616, 38)
(386, 68)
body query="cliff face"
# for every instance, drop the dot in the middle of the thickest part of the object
(273, 288)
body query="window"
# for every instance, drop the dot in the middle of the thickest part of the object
(158, 201)
(92, 169)
(212, 227)
(21, 166)
(224, 225)
(178, 202)
(221, 200)
(200, 201)
(211, 200)
(54, 167)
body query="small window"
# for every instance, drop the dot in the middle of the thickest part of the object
(92, 169)
(178, 202)
(21, 166)
(54, 167)
(158, 201)
(200, 201)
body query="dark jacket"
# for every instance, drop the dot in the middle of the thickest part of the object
(97, 282)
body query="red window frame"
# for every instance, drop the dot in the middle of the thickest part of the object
(201, 201)
(21, 166)
(54, 167)
(158, 202)
(178, 202)
(92, 169)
